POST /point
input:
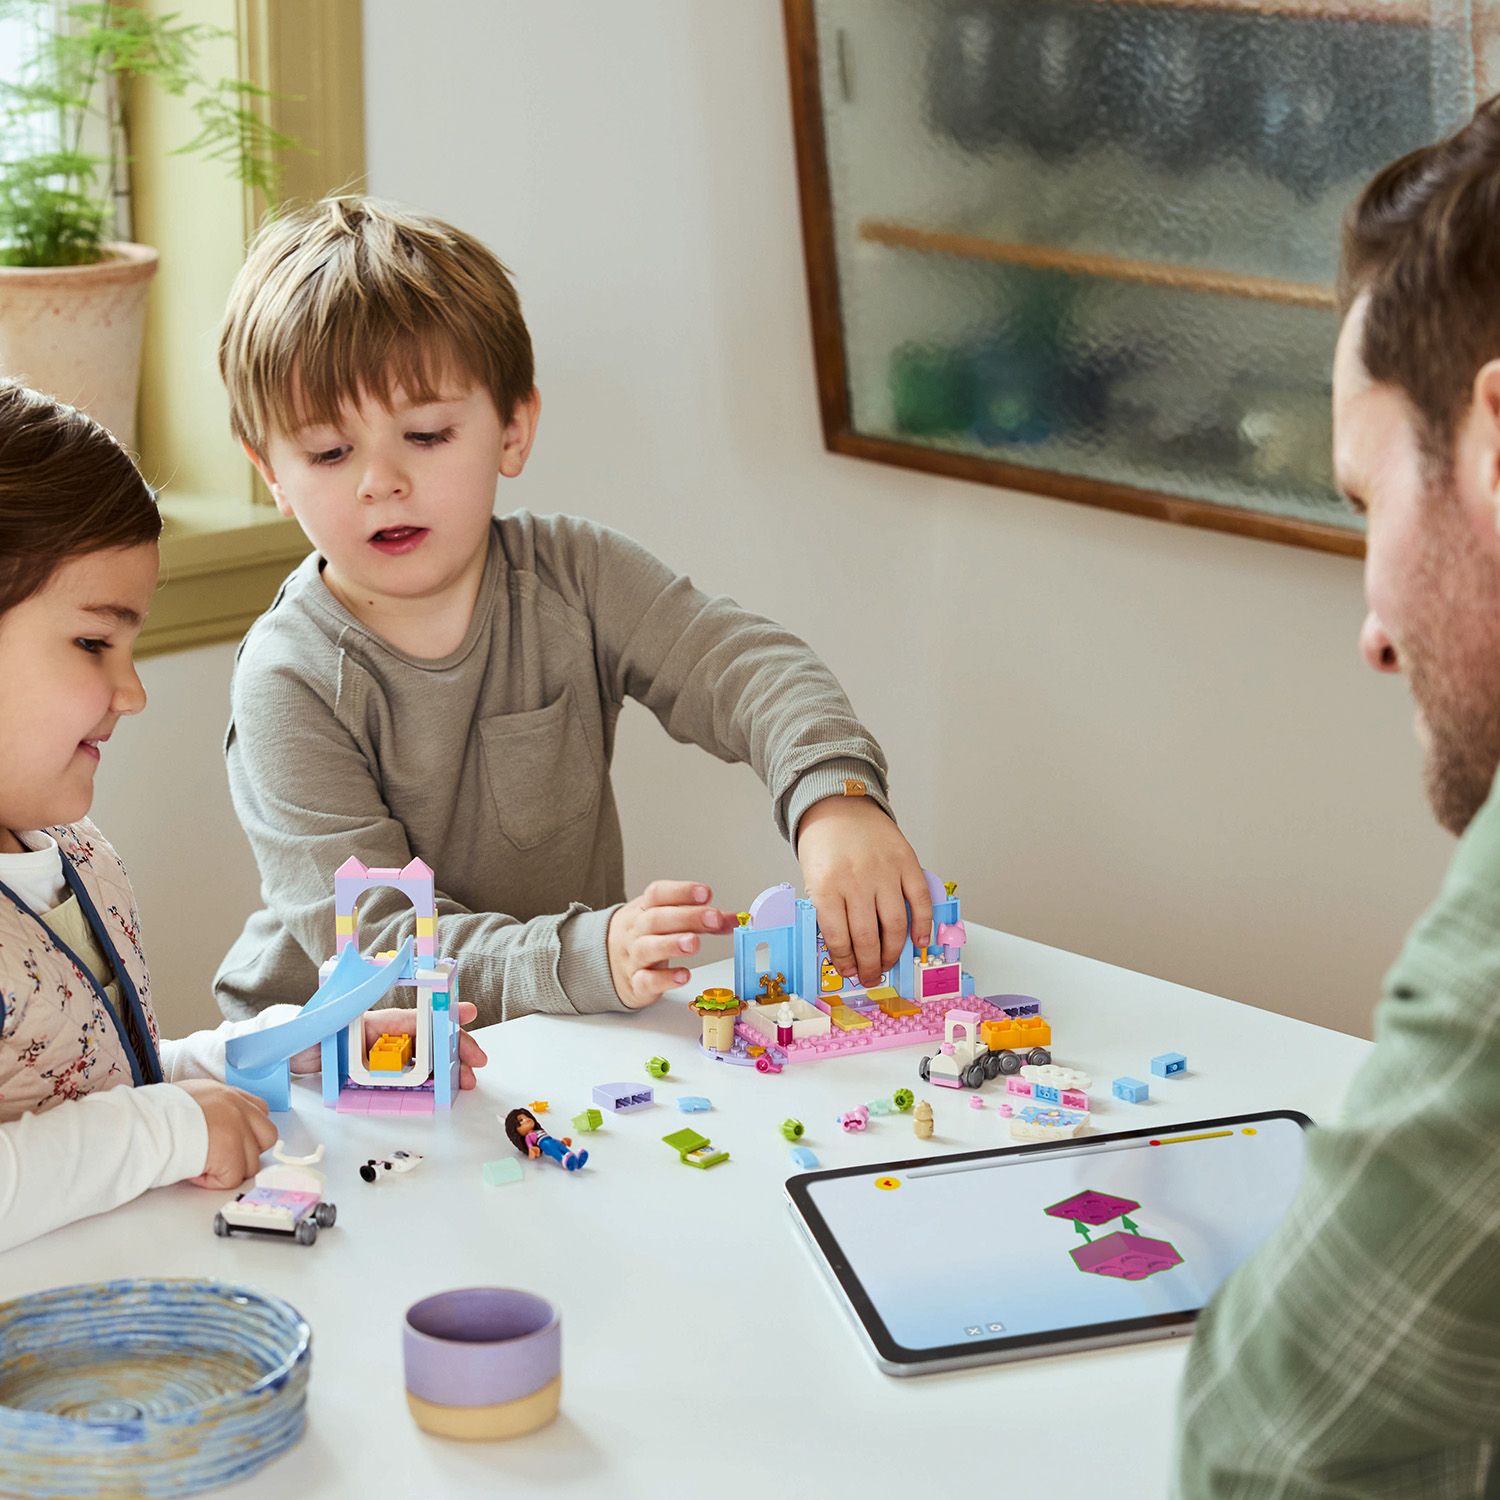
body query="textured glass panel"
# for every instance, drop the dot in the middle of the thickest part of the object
(1099, 239)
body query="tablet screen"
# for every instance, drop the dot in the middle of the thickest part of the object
(1051, 1243)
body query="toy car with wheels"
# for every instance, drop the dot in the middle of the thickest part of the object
(966, 1061)
(286, 1202)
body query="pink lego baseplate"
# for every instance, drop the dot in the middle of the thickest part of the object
(883, 1030)
(356, 1099)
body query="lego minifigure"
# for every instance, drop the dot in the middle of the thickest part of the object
(523, 1132)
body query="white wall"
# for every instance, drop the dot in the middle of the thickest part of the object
(1146, 743)
(1151, 744)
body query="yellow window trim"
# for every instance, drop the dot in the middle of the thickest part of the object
(225, 548)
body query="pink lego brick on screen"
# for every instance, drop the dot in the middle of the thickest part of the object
(1127, 1257)
(1089, 1207)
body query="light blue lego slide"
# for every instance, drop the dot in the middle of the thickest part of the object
(258, 1062)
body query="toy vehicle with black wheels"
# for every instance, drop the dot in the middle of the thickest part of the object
(967, 1059)
(285, 1202)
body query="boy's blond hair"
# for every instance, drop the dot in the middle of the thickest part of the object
(351, 297)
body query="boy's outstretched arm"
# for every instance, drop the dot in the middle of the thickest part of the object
(746, 689)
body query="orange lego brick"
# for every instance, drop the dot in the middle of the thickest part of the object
(390, 1053)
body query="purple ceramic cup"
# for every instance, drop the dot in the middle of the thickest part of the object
(482, 1362)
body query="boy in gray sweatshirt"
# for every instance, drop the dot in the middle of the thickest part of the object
(440, 682)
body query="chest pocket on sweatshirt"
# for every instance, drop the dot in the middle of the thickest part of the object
(542, 771)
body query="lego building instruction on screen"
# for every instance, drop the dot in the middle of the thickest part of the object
(1030, 1244)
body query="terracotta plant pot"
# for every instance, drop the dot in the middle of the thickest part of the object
(75, 332)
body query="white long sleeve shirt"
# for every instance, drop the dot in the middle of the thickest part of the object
(87, 1155)
(95, 1153)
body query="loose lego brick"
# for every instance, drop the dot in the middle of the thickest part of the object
(693, 1104)
(1090, 1207)
(1131, 1090)
(695, 1150)
(587, 1120)
(1169, 1065)
(804, 1157)
(502, 1173)
(1128, 1257)
(621, 1098)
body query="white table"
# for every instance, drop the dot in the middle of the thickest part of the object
(704, 1355)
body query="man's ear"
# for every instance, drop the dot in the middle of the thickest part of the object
(1479, 442)
(269, 475)
(519, 434)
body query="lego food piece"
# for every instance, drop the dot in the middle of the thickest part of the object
(694, 1150)
(658, 1067)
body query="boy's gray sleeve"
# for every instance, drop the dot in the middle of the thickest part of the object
(715, 675)
(308, 800)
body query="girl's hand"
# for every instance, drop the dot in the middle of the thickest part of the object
(861, 874)
(239, 1129)
(650, 935)
(399, 1020)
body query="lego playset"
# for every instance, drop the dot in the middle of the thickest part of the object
(395, 1074)
(789, 1002)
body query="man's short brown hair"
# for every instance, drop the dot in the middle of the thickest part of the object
(1423, 239)
(351, 297)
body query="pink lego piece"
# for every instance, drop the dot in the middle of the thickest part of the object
(976, 1102)
(1089, 1207)
(1075, 1099)
(855, 1119)
(883, 1031)
(1006, 1112)
(1129, 1257)
(1015, 1085)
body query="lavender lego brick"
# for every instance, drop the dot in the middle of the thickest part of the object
(1089, 1207)
(621, 1098)
(1127, 1257)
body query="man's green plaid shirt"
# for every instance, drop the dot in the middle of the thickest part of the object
(1358, 1354)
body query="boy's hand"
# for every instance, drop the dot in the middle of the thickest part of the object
(239, 1129)
(399, 1020)
(651, 934)
(860, 874)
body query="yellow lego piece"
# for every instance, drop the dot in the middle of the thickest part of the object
(847, 1019)
(343, 925)
(892, 1003)
(390, 1053)
(1016, 1035)
(540, 1106)
(426, 926)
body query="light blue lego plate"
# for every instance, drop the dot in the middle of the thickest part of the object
(152, 1388)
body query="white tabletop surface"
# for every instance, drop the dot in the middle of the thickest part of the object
(704, 1354)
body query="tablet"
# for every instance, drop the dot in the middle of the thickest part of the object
(985, 1256)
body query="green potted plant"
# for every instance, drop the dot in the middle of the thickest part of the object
(73, 295)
